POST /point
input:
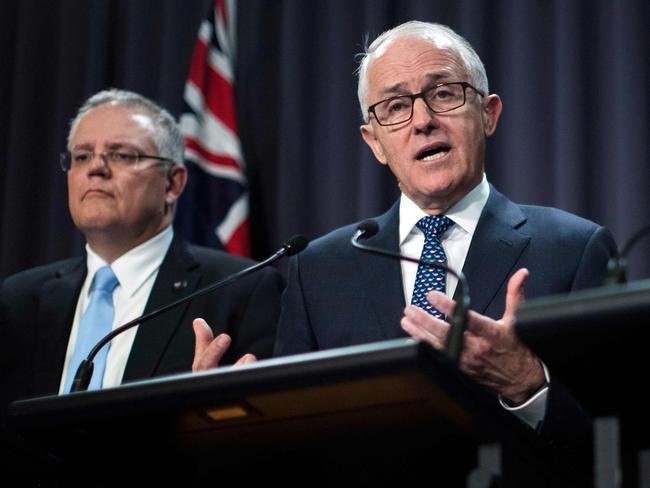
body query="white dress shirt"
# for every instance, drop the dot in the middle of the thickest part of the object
(136, 272)
(456, 242)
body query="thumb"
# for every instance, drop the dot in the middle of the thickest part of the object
(245, 359)
(202, 336)
(515, 294)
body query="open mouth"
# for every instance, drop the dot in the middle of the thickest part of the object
(433, 153)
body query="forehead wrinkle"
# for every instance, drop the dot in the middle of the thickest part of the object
(107, 145)
(136, 130)
(431, 79)
(406, 58)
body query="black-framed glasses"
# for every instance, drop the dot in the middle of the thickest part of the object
(440, 98)
(123, 158)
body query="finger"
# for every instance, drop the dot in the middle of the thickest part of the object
(419, 324)
(202, 336)
(441, 302)
(515, 293)
(245, 359)
(425, 321)
(486, 327)
(212, 354)
(423, 335)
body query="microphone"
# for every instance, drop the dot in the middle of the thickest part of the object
(458, 319)
(85, 371)
(617, 266)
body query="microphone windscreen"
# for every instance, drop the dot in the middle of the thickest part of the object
(296, 244)
(368, 228)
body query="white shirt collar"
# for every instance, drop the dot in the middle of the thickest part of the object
(465, 213)
(135, 266)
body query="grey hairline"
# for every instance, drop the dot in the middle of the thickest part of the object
(166, 135)
(438, 35)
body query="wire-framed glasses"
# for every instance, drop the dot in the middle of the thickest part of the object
(440, 98)
(123, 158)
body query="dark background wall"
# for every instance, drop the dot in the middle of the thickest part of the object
(573, 76)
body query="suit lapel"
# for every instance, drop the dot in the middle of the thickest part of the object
(57, 304)
(178, 277)
(495, 249)
(382, 276)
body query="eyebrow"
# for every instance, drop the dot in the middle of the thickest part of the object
(400, 88)
(120, 145)
(85, 146)
(111, 146)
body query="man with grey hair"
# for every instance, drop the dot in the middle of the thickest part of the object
(125, 174)
(427, 114)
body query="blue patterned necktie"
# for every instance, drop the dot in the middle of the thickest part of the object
(96, 322)
(429, 278)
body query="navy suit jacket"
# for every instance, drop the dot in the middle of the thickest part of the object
(338, 296)
(37, 308)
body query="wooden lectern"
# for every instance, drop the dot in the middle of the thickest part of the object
(386, 413)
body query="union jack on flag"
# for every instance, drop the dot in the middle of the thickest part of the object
(214, 207)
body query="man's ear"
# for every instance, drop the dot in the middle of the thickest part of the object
(176, 181)
(492, 107)
(369, 136)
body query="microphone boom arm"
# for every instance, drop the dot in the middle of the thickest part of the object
(84, 371)
(458, 318)
(617, 265)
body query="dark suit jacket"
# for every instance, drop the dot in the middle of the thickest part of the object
(37, 307)
(339, 296)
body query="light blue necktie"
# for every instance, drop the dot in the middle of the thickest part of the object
(429, 278)
(96, 322)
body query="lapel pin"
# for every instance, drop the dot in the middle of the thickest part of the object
(179, 285)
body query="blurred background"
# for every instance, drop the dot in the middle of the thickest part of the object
(573, 76)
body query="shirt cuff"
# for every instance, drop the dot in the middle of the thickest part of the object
(533, 410)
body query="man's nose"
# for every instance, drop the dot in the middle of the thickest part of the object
(98, 164)
(424, 119)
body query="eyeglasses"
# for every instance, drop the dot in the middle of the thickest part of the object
(440, 98)
(119, 159)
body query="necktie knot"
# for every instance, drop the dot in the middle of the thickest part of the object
(105, 280)
(434, 226)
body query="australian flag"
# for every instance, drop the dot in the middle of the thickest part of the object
(213, 210)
